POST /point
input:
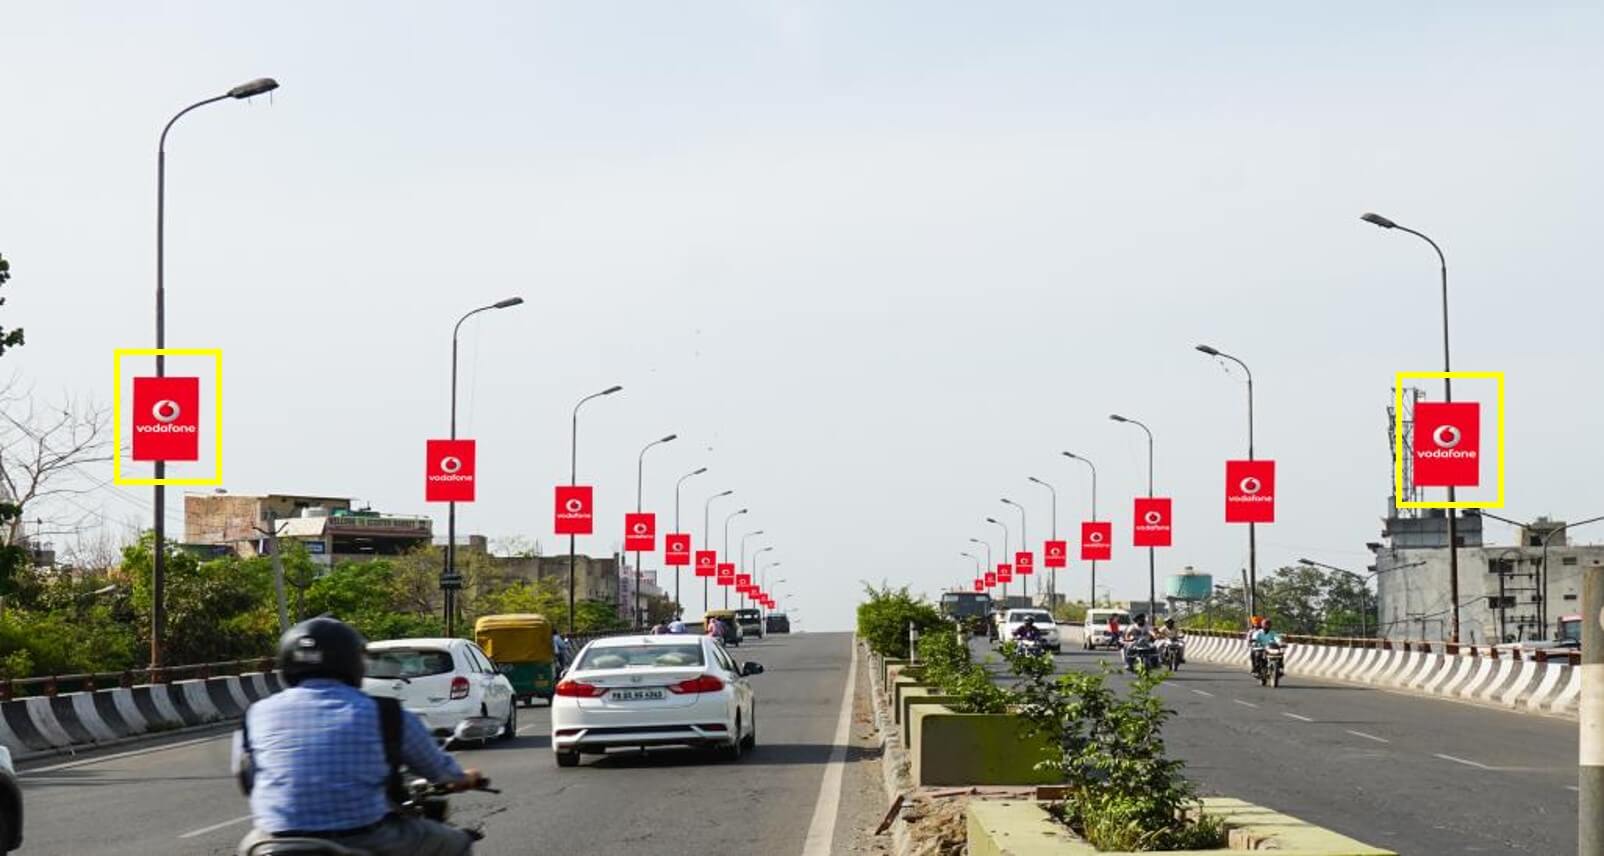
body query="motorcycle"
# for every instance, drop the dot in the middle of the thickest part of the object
(1031, 645)
(1172, 652)
(424, 799)
(1141, 655)
(1271, 665)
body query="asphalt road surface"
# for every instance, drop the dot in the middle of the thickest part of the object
(1415, 774)
(177, 798)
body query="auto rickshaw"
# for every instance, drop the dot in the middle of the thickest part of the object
(520, 644)
(732, 630)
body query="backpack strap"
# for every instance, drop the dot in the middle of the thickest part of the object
(390, 732)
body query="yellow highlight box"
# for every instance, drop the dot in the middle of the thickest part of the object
(1398, 437)
(117, 414)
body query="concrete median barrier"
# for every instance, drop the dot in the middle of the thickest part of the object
(951, 748)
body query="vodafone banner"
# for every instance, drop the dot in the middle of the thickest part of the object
(706, 563)
(1024, 564)
(991, 578)
(574, 510)
(677, 549)
(1005, 573)
(1152, 527)
(166, 419)
(1447, 444)
(640, 531)
(980, 584)
(743, 580)
(1055, 554)
(726, 574)
(1096, 541)
(1250, 491)
(448, 470)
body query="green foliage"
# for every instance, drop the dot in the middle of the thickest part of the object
(13, 558)
(1125, 793)
(70, 626)
(8, 338)
(1301, 599)
(1070, 613)
(944, 655)
(883, 619)
(548, 598)
(220, 609)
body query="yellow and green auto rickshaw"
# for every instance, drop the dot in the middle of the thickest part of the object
(732, 629)
(521, 646)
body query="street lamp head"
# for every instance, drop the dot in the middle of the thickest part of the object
(977, 540)
(611, 389)
(668, 438)
(700, 471)
(743, 511)
(1007, 501)
(1117, 418)
(725, 493)
(1072, 455)
(1034, 479)
(509, 302)
(757, 532)
(1306, 562)
(253, 87)
(1378, 220)
(1208, 350)
(992, 520)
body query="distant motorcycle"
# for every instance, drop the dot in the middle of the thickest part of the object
(1172, 652)
(1272, 665)
(1031, 645)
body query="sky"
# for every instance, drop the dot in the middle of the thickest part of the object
(875, 264)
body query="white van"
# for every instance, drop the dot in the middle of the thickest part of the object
(1096, 633)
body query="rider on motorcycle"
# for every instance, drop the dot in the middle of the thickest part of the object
(313, 757)
(1261, 637)
(1028, 630)
(1138, 630)
(1167, 634)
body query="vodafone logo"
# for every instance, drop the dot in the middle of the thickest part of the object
(450, 464)
(1446, 436)
(1055, 552)
(166, 412)
(1095, 537)
(1447, 439)
(639, 529)
(706, 562)
(1153, 518)
(574, 506)
(1249, 485)
(450, 471)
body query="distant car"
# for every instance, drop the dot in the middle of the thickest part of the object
(639, 691)
(10, 804)
(1096, 635)
(445, 682)
(777, 622)
(751, 623)
(1015, 619)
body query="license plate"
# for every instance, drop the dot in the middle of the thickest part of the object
(636, 695)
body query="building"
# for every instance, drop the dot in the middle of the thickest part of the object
(1502, 591)
(594, 579)
(331, 530)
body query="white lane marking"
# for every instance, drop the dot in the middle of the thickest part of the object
(1297, 717)
(1462, 761)
(214, 827)
(113, 757)
(821, 830)
(1369, 736)
(1204, 693)
(525, 728)
(1244, 703)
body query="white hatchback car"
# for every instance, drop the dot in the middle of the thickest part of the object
(1015, 619)
(640, 691)
(445, 682)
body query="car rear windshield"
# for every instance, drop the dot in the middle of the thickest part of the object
(1020, 615)
(641, 657)
(409, 663)
(747, 615)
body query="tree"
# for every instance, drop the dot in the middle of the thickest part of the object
(13, 558)
(221, 609)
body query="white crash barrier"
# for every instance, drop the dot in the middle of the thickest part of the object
(1524, 681)
(1552, 684)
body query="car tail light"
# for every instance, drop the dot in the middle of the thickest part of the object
(459, 687)
(578, 689)
(698, 684)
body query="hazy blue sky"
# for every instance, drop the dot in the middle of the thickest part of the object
(875, 263)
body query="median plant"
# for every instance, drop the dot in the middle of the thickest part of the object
(1123, 791)
(886, 613)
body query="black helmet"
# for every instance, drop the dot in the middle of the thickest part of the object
(1030, 619)
(322, 647)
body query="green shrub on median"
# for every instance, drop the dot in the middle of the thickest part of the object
(884, 617)
(1123, 791)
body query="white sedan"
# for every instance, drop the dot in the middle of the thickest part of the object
(1015, 619)
(446, 682)
(640, 691)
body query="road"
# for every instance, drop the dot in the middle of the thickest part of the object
(177, 798)
(1410, 773)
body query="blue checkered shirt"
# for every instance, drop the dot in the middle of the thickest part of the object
(318, 753)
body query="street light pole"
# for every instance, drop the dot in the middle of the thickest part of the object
(732, 515)
(1448, 396)
(573, 480)
(450, 580)
(1152, 573)
(707, 540)
(1094, 514)
(678, 605)
(158, 576)
(987, 545)
(640, 480)
(1024, 541)
(743, 565)
(978, 572)
(758, 574)
(1004, 526)
(1253, 540)
(1052, 583)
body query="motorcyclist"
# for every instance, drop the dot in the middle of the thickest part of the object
(1137, 634)
(1166, 635)
(1028, 630)
(1114, 636)
(1261, 637)
(1253, 630)
(313, 757)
